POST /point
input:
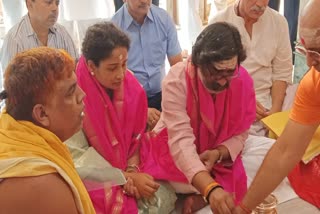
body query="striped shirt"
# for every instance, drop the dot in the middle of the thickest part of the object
(22, 37)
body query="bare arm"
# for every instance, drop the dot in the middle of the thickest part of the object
(48, 194)
(278, 92)
(279, 161)
(175, 59)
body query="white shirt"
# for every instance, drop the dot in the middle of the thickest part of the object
(269, 54)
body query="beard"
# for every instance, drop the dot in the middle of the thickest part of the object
(215, 86)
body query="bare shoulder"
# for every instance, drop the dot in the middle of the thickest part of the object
(40, 194)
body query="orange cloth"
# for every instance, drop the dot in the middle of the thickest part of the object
(304, 178)
(306, 107)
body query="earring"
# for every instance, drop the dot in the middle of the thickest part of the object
(92, 74)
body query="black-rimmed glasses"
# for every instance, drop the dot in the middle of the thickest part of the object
(218, 74)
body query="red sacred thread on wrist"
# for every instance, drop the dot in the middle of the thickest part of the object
(245, 208)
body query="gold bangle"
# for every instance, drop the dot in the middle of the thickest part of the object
(134, 167)
(208, 188)
(211, 190)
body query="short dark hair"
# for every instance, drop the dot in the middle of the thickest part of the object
(101, 39)
(31, 77)
(217, 42)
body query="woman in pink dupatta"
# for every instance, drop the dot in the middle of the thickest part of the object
(115, 115)
(208, 106)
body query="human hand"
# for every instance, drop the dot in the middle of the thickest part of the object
(261, 111)
(238, 210)
(221, 202)
(273, 110)
(153, 117)
(130, 189)
(209, 158)
(145, 184)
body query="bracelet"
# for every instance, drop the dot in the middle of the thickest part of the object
(208, 188)
(211, 190)
(245, 208)
(133, 167)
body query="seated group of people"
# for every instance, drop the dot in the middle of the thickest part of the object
(183, 132)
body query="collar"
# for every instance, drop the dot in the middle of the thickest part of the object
(128, 19)
(235, 11)
(29, 29)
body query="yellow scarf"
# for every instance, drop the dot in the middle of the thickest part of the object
(29, 150)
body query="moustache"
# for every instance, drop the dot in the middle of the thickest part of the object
(143, 5)
(215, 86)
(258, 9)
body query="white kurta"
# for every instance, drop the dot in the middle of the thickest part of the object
(269, 54)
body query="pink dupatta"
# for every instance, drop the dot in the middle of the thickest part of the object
(113, 128)
(213, 122)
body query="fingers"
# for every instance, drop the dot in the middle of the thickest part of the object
(230, 203)
(209, 158)
(258, 117)
(204, 155)
(261, 111)
(209, 165)
(129, 187)
(136, 193)
(153, 116)
(260, 106)
(149, 191)
(151, 187)
(223, 208)
(221, 202)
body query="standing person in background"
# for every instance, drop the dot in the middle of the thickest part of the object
(118, 3)
(153, 37)
(262, 28)
(38, 28)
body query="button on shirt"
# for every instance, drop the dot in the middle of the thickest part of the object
(150, 43)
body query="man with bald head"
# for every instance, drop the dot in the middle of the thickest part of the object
(288, 150)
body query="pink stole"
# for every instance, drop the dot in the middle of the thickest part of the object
(216, 120)
(113, 128)
(213, 122)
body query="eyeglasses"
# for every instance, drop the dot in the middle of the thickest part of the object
(302, 50)
(218, 74)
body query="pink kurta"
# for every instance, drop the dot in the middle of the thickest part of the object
(195, 122)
